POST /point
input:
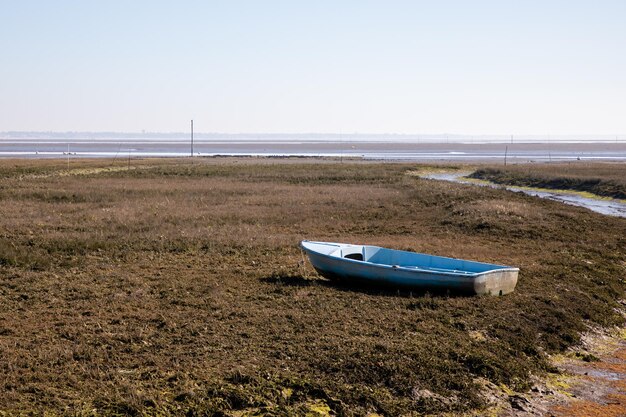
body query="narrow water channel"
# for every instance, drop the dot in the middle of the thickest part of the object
(604, 206)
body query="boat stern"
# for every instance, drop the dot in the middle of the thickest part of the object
(496, 282)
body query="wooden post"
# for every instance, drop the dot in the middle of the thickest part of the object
(192, 138)
(341, 147)
(506, 150)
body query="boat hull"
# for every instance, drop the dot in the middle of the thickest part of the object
(491, 280)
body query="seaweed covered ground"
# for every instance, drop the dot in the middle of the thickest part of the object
(177, 286)
(605, 180)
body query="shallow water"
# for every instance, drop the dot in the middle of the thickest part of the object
(388, 151)
(608, 207)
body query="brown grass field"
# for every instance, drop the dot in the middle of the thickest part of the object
(177, 287)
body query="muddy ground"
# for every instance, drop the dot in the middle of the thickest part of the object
(177, 286)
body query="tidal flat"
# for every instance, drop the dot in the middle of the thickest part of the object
(177, 286)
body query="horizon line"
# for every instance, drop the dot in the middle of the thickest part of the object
(443, 134)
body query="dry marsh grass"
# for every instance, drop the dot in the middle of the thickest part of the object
(179, 288)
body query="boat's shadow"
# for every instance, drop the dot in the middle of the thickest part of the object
(290, 280)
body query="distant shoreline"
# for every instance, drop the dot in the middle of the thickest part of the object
(391, 151)
(313, 137)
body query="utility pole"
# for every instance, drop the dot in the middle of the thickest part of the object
(192, 138)
(341, 146)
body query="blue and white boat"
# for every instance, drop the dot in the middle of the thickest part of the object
(376, 265)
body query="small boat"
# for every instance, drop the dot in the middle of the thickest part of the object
(375, 265)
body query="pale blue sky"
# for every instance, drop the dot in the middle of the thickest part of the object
(474, 67)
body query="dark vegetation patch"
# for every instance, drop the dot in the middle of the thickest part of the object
(606, 180)
(179, 288)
